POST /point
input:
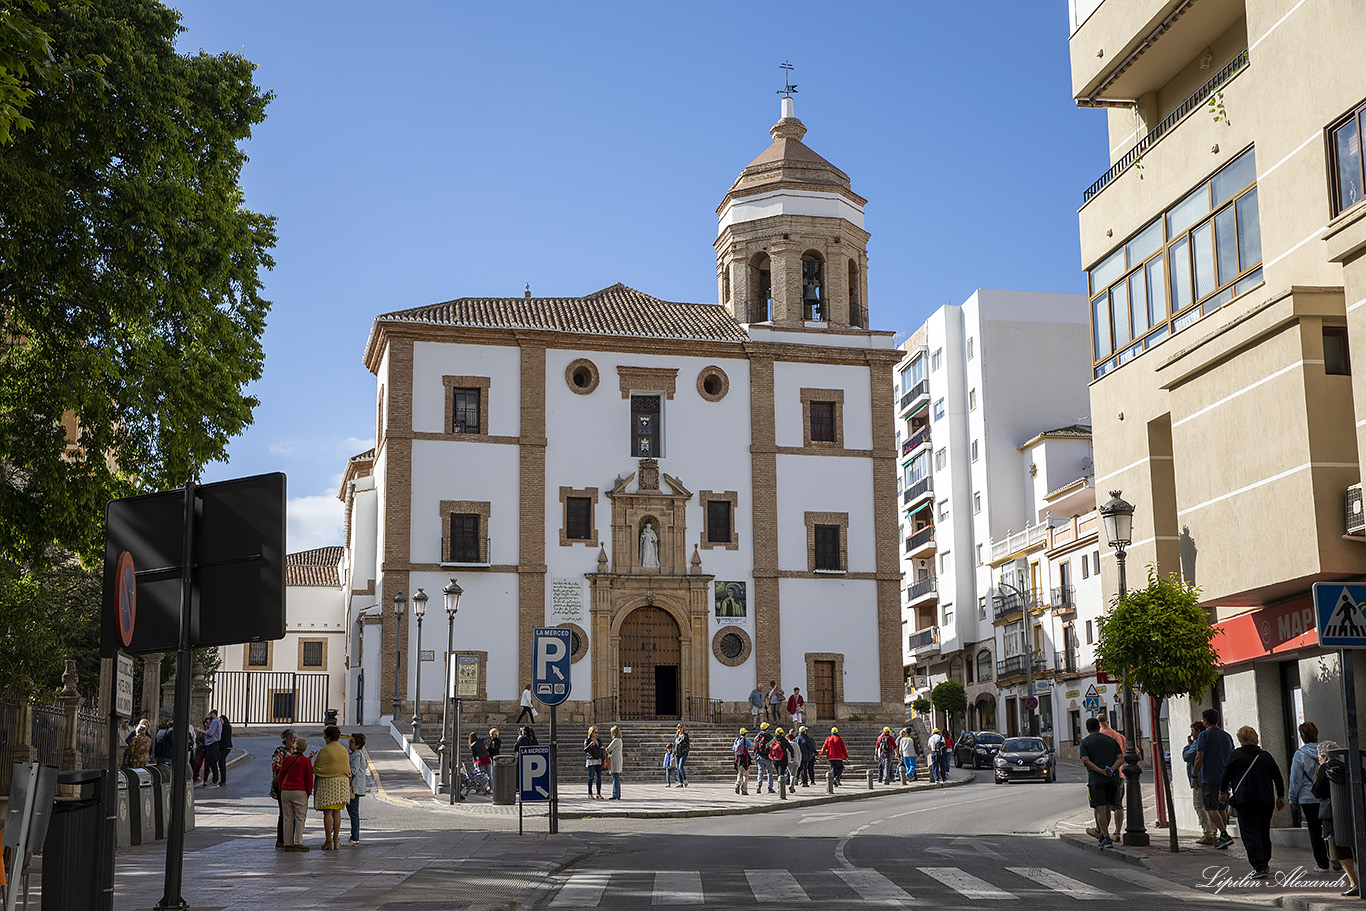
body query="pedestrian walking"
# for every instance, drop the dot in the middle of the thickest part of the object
(939, 752)
(1116, 811)
(1100, 755)
(615, 748)
(740, 749)
(775, 701)
(224, 748)
(1252, 784)
(1212, 749)
(779, 752)
(356, 759)
(479, 751)
(836, 751)
(669, 768)
(331, 785)
(756, 703)
(761, 742)
(213, 735)
(796, 763)
(1338, 832)
(682, 747)
(1303, 767)
(296, 784)
(592, 748)
(906, 746)
(885, 751)
(285, 749)
(795, 706)
(528, 712)
(494, 743)
(809, 752)
(1209, 832)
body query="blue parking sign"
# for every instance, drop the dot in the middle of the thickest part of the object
(533, 773)
(551, 653)
(1338, 611)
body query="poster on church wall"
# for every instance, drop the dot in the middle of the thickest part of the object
(566, 601)
(730, 604)
(467, 676)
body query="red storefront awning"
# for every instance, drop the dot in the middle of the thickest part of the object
(1283, 628)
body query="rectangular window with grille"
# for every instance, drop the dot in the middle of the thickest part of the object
(828, 547)
(465, 410)
(258, 654)
(645, 427)
(465, 538)
(718, 521)
(823, 422)
(312, 654)
(578, 518)
(282, 706)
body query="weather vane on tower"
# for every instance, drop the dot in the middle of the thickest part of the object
(788, 88)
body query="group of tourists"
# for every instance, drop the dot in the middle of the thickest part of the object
(207, 753)
(608, 759)
(771, 699)
(333, 776)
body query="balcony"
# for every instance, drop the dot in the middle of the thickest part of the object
(1008, 605)
(922, 488)
(1064, 600)
(1356, 518)
(1014, 666)
(1033, 537)
(924, 642)
(918, 439)
(920, 390)
(925, 589)
(1194, 102)
(921, 543)
(1066, 661)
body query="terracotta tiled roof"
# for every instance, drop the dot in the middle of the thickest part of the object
(367, 455)
(617, 310)
(314, 567)
(1071, 430)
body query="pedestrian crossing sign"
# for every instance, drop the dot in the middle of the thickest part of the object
(1338, 610)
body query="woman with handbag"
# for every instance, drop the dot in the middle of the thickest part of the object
(592, 748)
(332, 785)
(1253, 785)
(682, 747)
(614, 750)
(285, 748)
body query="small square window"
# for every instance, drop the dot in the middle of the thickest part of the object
(972, 400)
(982, 612)
(823, 422)
(1085, 567)
(1089, 635)
(1335, 359)
(312, 654)
(827, 539)
(939, 410)
(258, 654)
(948, 614)
(979, 555)
(974, 450)
(943, 510)
(465, 410)
(941, 458)
(937, 359)
(976, 503)
(578, 518)
(969, 349)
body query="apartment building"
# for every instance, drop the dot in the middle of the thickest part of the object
(1223, 249)
(978, 379)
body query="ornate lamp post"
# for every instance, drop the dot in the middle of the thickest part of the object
(1118, 516)
(452, 594)
(399, 603)
(420, 611)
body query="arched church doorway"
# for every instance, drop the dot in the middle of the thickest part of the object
(650, 662)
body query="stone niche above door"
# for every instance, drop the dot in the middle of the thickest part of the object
(664, 511)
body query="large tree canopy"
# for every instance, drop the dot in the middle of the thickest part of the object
(129, 274)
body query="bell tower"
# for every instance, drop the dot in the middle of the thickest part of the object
(790, 246)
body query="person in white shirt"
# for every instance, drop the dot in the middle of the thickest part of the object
(528, 712)
(937, 748)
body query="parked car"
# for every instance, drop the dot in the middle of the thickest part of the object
(1023, 758)
(976, 748)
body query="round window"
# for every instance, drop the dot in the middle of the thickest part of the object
(583, 378)
(575, 643)
(712, 384)
(732, 646)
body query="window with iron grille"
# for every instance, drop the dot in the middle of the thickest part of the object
(732, 646)
(258, 654)
(465, 538)
(823, 422)
(282, 706)
(466, 411)
(645, 427)
(718, 522)
(578, 518)
(312, 654)
(827, 547)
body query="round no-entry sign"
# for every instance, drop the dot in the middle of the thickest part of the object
(1031, 702)
(125, 598)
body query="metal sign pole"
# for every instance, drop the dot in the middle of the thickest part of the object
(180, 736)
(554, 773)
(1353, 757)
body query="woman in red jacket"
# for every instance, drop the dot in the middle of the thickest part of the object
(835, 750)
(296, 784)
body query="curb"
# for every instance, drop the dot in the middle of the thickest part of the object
(1304, 903)
(1117, 852)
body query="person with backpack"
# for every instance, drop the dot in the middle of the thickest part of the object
(809, 752)
(779, 751)
(836, 751)
(1303, 767)
(761, 741)
(885, 751)
(1247, 783)
(906, 745)
(740, 749)
(1340, 834)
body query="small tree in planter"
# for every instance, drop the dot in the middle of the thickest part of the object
(950, 698)
(920, 706)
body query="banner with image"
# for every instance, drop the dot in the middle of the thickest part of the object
(730, 605)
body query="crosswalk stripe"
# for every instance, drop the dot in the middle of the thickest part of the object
(1064, 884)
(873, 886)
(584, 890)
(678, 887)
(775, 886)
(965, 883)
(1151, 883)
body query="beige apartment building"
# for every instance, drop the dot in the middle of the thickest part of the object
(1224, 257)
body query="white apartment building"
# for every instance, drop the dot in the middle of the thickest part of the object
(978, 380)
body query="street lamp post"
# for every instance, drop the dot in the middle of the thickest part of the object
(399, 603)
(419, 611)
(452, 594)
(1118, 516)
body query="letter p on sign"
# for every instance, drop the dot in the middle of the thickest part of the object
(551, 672)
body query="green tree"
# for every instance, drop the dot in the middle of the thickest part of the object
(48, 617)
(950, 697)
(1162, 636)
(28, 58)
(130, 312)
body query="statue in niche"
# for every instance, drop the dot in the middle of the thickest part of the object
(649, 547)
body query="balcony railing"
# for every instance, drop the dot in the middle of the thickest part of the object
(1356, 517)
(917, 490)
(761, 311)
(1147, 142)
(1064, 599)
(906, 448)
(1065, 661)
(920, 438)
(1013, 544)
(923, 639)
(919, 539)
(1015, 665)
(465, 552)
(923, 587)
(915, 392)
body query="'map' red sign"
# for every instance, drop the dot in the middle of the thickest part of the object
(1286, 627)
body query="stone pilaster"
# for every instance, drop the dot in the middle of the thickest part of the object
(531, 520)
(764, 508)
(151, 687)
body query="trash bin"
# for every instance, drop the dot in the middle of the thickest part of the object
(505, 780)
(123, 824)
(71, 873)
(161, 799)
(1341, 797)
(141, 806)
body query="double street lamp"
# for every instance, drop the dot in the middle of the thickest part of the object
(1118, 516)
(444, 752)
(399, 603)
(420, 611)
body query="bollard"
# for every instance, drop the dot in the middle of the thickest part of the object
(829, 784)
(782, 787)
(870, 779)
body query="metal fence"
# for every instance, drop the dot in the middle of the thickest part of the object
(46, 737)
(270, 697)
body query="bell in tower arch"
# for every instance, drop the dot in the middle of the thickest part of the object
(813, 291)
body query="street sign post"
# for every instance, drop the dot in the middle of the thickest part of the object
(123, 685)
(1340, 625)
(533, 778)
(552, 654)
(1031, 702)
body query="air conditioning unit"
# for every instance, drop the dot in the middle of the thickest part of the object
(1356, 517)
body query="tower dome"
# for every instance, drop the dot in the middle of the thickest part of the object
(791, 248)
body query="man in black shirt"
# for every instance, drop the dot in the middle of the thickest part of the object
(1100, 754)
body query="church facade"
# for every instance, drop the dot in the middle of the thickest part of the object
(703, 493)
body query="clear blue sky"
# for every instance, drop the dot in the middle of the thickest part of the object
(420, 152)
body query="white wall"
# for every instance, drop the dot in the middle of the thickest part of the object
(788, 381)
(501, 364)
(831, 615)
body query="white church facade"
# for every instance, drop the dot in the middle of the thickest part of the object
(704, 493)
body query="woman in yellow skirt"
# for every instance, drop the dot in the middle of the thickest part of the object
(331, 784)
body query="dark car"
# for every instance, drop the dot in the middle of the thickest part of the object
(976, 748)
(1025, 757)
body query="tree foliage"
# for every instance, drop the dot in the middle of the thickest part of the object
(48, 617)
(1163, 637)
(28, 59)
(130, 312)
(950, 697)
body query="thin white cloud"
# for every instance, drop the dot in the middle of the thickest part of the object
(313, 522)
(352, 445)
(282, 447)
